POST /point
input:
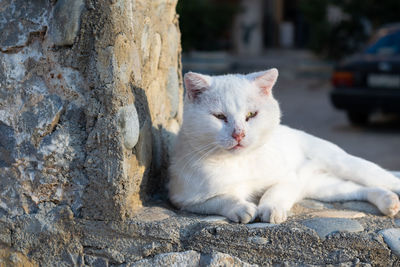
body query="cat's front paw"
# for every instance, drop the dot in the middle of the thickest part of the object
(243, 212)
(272, 213)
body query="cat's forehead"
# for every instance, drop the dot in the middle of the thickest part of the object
(224, 82)
(232, 92)
(232, 86)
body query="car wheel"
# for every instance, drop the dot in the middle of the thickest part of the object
(358, 118)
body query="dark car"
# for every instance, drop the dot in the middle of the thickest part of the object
(370, 81)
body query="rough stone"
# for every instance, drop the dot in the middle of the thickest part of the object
(10, 257)
(5, 234)
(65, 22)
(157, 234)
(290, 242)
(258, 240)
(392, 239)
(326, 226)
(19, 20)
(126, 173)
(61, 134)
(41, 119)
(94, 261)
(187, 258)
(192, 258)
(7, 145)
(221, 259)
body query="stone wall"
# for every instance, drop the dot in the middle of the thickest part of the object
(90, 93)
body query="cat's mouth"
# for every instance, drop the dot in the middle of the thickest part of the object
(236, 147)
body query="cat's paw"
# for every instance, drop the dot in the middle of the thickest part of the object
(243, 212)
(272, 213)
(388, 203)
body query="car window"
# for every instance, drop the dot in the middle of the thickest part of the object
(386, 45)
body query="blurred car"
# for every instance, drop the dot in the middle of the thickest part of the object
(370, 81)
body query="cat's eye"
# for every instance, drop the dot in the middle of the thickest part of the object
(251, 115)
(221, 117)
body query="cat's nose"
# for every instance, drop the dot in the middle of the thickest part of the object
(238, 136)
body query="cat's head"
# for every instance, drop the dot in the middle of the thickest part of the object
(230, 113)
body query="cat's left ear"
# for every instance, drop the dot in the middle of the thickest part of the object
(265, 80)
(196, 84)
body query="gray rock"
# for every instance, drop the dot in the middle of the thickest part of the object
(217, 259)
(129, 125)
(186, 258)
(392, 239)
(314, 204)
(64, 25)
(5, 234)
(330, 213)
(7, 145)
(214, 219)
(361, 206)
(93, 261)
(173, 90)
(41, 119)
(259, 225)
(192, 258)
(258, 240)
(20, 18)
(327, 226)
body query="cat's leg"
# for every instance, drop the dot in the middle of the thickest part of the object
(278, 200)
(327, 188)
(232, 207)
(346, 166)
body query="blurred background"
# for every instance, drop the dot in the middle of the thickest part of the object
(339, 63)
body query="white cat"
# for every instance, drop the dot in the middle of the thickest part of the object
(232, 150)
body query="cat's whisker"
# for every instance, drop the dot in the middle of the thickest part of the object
(198, 150)
(195, 166)
(194, 154)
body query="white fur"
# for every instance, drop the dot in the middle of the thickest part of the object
(276, 166)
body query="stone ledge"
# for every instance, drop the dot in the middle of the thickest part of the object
(315, 234)
(306, 239)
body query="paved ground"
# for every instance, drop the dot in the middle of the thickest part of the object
(302, 90)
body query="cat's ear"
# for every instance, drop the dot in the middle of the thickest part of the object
(196, 84)
(265, 80)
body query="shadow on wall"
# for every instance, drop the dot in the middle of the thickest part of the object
(152, 151)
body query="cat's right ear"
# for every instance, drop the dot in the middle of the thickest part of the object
(265, 80)
(196, 84)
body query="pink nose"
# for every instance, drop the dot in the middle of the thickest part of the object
(238, 136)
